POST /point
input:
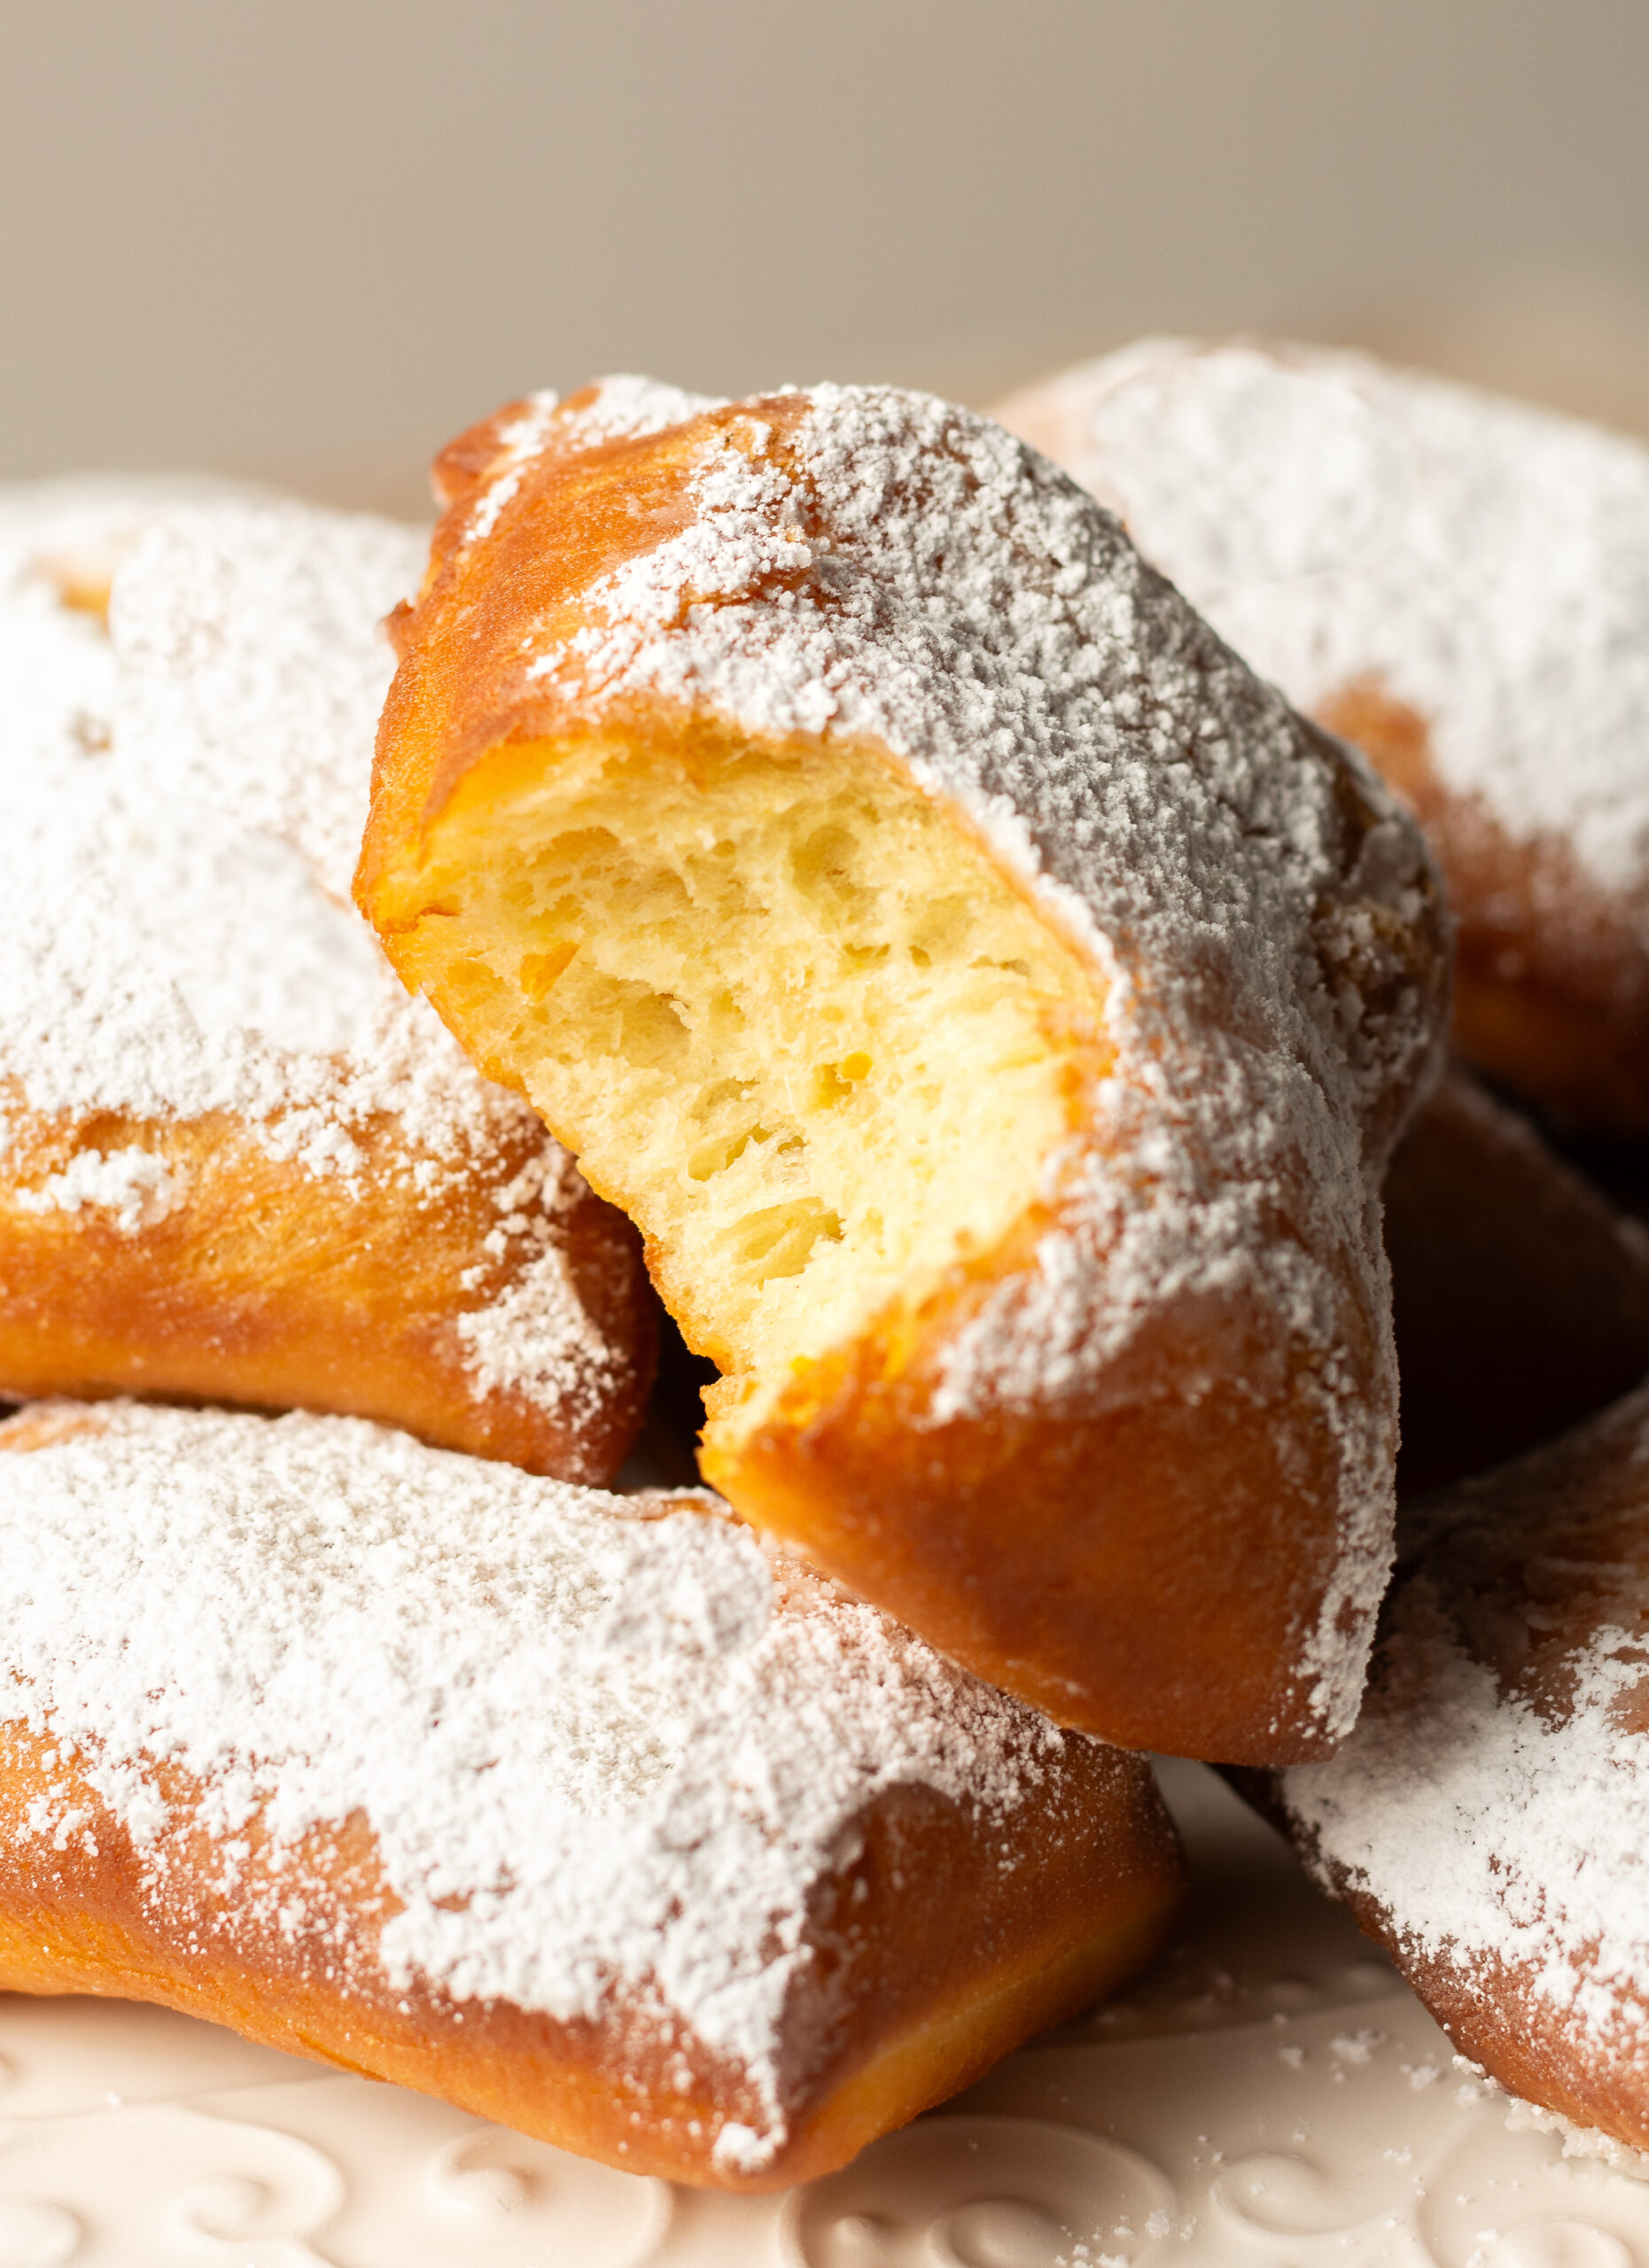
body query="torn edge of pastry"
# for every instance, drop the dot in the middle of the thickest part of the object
(993, 1005)
(589, 1813)
(1485, 1821)
(236, 1162)
(801, 1142)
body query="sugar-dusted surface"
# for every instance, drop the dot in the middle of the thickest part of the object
(601, 1743)
(189, 687)
(1493, 1801)
(1483, 562)
(621, 407)
(1491, 1834)
(1268, 2094)
(865, 566)
(182, 790)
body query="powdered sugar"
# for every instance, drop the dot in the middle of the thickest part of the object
(1490, 1832)
(1492, 1800)
(603, 1746)
(537, 1334)
(185, 792)
(138, 1187)
(624, 404)
(1483, 562)
(1582, 2142)
(876, 566)
(166, 949)
(627, 404)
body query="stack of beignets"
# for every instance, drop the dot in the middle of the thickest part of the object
(237, 1162)
(994, 1005)
(589, 1813)
(998, 1009)
(1459, 584)
(585, 1812)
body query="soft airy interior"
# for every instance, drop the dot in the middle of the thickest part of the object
(786, 1009)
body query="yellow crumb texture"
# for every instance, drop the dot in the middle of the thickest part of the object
(786, 1010)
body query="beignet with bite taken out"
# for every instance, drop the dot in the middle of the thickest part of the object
(992, 1003)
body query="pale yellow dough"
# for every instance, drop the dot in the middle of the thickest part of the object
(789, 1012)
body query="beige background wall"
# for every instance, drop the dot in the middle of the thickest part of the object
(308, 239)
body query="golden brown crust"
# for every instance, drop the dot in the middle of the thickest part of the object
(1157, 1610)
(932, 1962)
(1551, 980)
(1521, 1297)
(1501, 2019)
(273, 1287)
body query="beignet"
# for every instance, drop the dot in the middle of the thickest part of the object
(1489, 1819)
(586, 1813)
(236, 1162)
(1459, 584)
(992, 1003)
